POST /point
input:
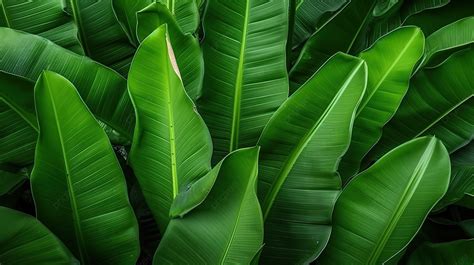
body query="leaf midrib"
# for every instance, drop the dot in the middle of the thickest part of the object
(75, 214)
(292, 158)
(4, 13)
(80, 29)
(405, 199)
(234, 136)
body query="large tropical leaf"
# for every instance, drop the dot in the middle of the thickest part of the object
(245, 76)
(171, 144)
(382, 208)
(45, 18)
(439, 102)
(10, 178)
(185, 46)
(384, 7)
(186, 13)
(227, 227)
(101, 36)
(126, 12)
(24, 240)
(390, 63)
(103, 90)
(455, 252)
(298, 182)
(77, 183)
(341, 33)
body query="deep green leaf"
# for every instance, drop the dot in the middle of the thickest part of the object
(126, 12)
(245, 76)
(455, 252)
(171, 145)
(382, 208)
(298, 182)
(24, 240)
(186, 13)
(385, 6)
(77, 183)
(9, 179)
(227, 228)
(390, 63)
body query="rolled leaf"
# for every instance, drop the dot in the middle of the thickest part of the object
(382, 208)
(171, 145)
(103, 90)
(227, 227)
(298, 182)
(77, 183)
(455, 252)
(245, 76)
(185, 46)
(24, 240)
(390, 63)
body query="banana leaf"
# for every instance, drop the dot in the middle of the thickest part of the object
(455, 252)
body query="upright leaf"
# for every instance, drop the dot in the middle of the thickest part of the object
(45, 18)
(185, 46)
(171, 144)
(439, 102)
(186, 13)
(227, 227)
(103, 90)
(126, 13)
(341, 33)
(298, 182)
(24, 240)
(455, 252)
(382, 208)
(77, 183)
(245, 76)
(390, 63)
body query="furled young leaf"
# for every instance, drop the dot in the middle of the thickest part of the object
(382, 208)
(45, 18)
(126, 12)
(451, 37)
(171, 144)
(390, 63)
(77, 183)
(24, 240)
(185, 46)
(310, 15)
(227, 227)
(439, 102)
(455, 252)
(245, 76)
(298, 182)
(338, 34)
(103, 90)
(102, 38)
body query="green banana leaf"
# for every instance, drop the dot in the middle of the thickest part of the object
(11, 178)
(245, 76)
(382, 208)
(390, 63)
(441, 43)
(77, 184)
(24, 240)
(298, 182)
(310, 14)
(467, 226)
(455, 252)
(186, 13)
(103, 90)
(185, 46)
(384, 7)
(341, 33)
(439, 102)
(171, 145)
(45, 18)
(462, 176)
(101, 37)
(126, 13)
(227, 227)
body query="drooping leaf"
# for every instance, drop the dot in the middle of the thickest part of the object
(103, 90)
(341, 33)
(439, 102)
(185, 46)
(77, 183)
(171, 145)
(126, 12)
(45, 18)
(245, 76)
(382, 208)
(298, 182)
(24, 240)
(455, 252)
(102, 38)
(227, 227)
(390, 63)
